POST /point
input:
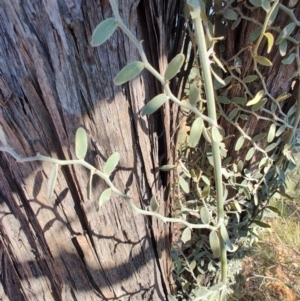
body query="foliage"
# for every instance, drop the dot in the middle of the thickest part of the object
(221, 202)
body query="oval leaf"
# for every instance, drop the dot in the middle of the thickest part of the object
(81, 143)
(111, 163)
(249, 79)
(174, 66)
(224, 235)
(216, 135)
(194, 94)
(104, 197)
(186, 235)
(184, 185)
(289, 59)
(167, 167)
(230, 14)
(271, 134)
(52, 181)
(214, 242)
(263, 61)
(239, 143)
(129, 72)
(153, 204)
(205, 216)
(196, 132)
(154, 104)
(103, 31)
(270, 40)
(261, 224)
(250, 153)
(256, 98)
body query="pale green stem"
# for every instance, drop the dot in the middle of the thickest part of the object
(105, 177)
(211, 107)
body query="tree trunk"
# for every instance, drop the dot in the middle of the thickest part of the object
(52, 81)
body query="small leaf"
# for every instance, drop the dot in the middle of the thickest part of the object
(236, 23)
(184, 185)
(259, 105)
(186, 235)
(233, 113)
(239, 143)
(230, 14)
(194, 94)
(250, 154)
(174, 66)
(283, 47)
(286, 32)
(256, 2)
(223, 99)
(129, 72)
(261, 224)
(289, 59)
(111, 163)
(266, 5)
(254, 34)
(214, 242)
(154, 104)
(283, 96)
(263, 61)
(196, 132)
(239, 100)
(216, 135)
(153, 204)
(280, 130)
(259, 137)
(104, 197)
(224, 235)
(270, 147)
(270, 40)
(256, 98)
(103, 31)
(249, 79)
(167, 167)
(52, 181)
(205, 216)
(271, 134)
(81, 143)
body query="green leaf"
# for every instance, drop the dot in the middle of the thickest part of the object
(270, 147)
(256, 2)
(283, 47)
(223, 99)
(216, 135)
(52, 181)
(196, 132)
(271, 134)
(204, 214)
(174, 66)
(129, 72)
(289, 59)
(194, 94)
(286, 32)
(280, 130)
(233, 113)
(154, 104)
(230, 14)
(103, 31)
(184, 185)
(259, 137)
(236, 23)
(259, 105)
(239, 143)
(266, 5)
(256, 98)
(254, 34)
(104, 197)
(249, 79)
(239, 100)
(167, 167)
(261, 224)
(205, 179)
(263, 61)
(81, 143)
(186, 235)
(153, 204)
(283, 96)
(250, 154)
(111, 163)
(214, 242)
(270, 40)
(224, 235)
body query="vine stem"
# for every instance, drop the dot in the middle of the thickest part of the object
(211, 107)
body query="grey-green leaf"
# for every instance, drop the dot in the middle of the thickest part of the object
(174, 66)
(129, 72)
(216, 135)
(52, 181)
(250, 153)
(196, 132)
(261, 224)
(239, 143)
(167, 167)
(289, 59)
(111, 163)
(153, 204)
(154, 104)
(214, 242)
(224, 235)
(205, 216)
(186, 235)
(250, 79)
(271, 134)
(104, 197)
(81, 143)
(263, 61)
(184, 185)
(230, 14)
(103, 31)
(194, 94)
(256, 2)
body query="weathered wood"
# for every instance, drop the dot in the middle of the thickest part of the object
(51, 82)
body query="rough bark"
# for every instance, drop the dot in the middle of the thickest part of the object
(51, 82)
